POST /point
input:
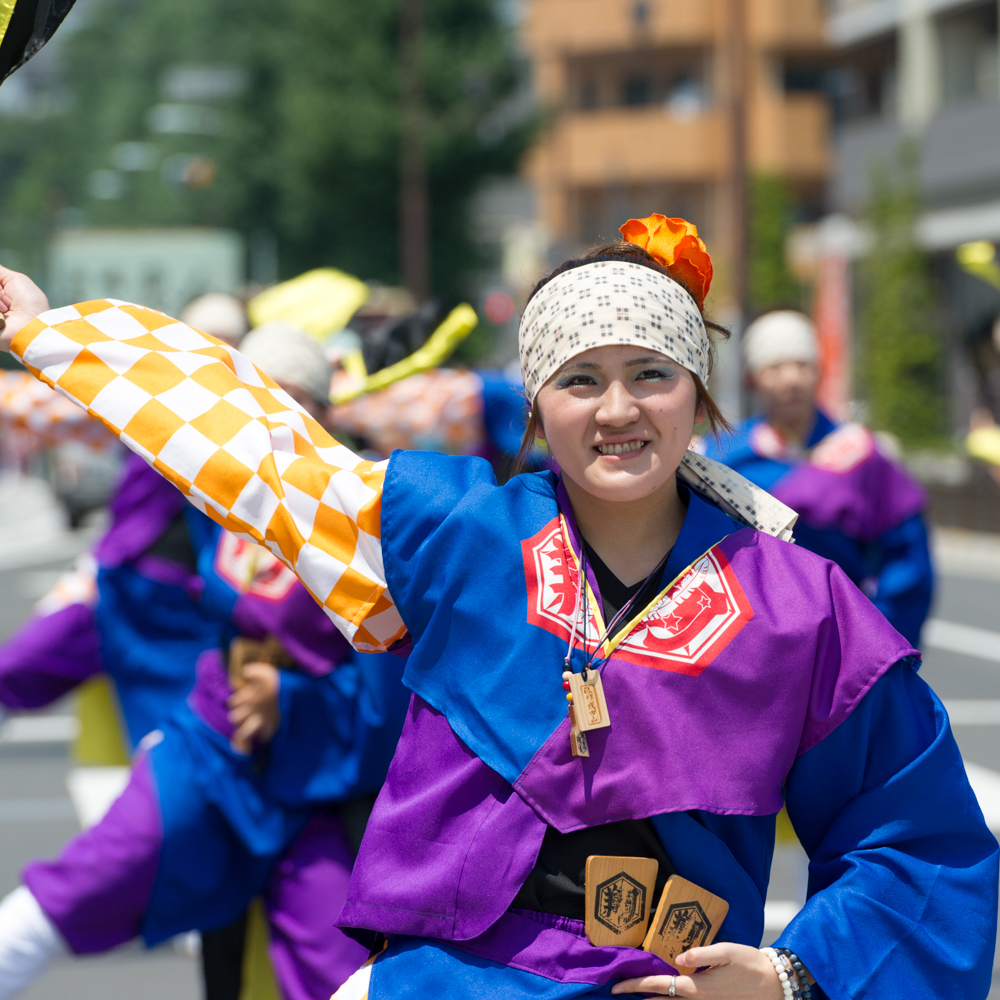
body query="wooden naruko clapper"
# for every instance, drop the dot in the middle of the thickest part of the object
(620, 896)
(687, 917)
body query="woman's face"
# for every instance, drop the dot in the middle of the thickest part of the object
(619, 419)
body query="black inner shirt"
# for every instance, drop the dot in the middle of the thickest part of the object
(557, 883)
(615, 595)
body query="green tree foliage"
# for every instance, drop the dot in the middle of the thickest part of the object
(900, 364)
(307, 151)
(772, 214)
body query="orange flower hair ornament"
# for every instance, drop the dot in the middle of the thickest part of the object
(676, 245)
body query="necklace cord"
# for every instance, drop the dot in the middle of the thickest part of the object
(621, 613)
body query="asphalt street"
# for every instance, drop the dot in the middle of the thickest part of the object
(961, 662)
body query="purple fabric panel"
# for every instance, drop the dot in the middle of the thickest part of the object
(142, 508)
(813, 648)
(300, 623)
(448, 844)
(311, 958)
(48, 657)
(211, 689)
(97, 891)
(557, 948)
(863, 503)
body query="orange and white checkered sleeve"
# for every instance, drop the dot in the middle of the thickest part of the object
(237, 445)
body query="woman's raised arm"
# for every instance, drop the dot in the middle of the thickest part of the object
(233, 442)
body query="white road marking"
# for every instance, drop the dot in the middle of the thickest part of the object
(986, 784)
(973, 711)
(965, 639)
(39, 729)
(94, 789)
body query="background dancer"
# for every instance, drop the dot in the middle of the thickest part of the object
(130, 611)
(740, 670)
(261, 791)
(856, 505)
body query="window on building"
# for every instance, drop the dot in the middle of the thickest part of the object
(638, 89)
(804, 76)
(589, 94)
(863, 85)
(968, 49)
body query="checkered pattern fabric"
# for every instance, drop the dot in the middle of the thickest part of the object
(737, 496)
(238, 446)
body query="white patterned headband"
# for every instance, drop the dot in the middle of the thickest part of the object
(604, 303)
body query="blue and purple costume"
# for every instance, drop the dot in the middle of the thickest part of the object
(750, 633)
(140, 621)
(855, 506)
(202, 829)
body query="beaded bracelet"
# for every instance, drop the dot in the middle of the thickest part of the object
(791, 973)
(801, 973)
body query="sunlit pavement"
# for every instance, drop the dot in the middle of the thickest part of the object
(961, 662)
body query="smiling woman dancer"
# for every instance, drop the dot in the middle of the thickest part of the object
(714, 671)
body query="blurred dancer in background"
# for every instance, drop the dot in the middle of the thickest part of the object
(458, 411)
(258, 784)
(130, 610)
(856, 506)
(218, 315)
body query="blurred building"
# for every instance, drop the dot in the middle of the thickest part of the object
(161, 268)
(925, 69)
(924, 73)
(640, 93)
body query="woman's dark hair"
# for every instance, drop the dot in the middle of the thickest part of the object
(631, 254)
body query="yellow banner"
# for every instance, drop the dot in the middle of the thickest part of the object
(6, 13)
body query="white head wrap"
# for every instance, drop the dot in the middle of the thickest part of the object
(288, 354)
(218, 315)
(611, 302)
(780, 336)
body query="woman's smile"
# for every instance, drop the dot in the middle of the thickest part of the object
(621, 450)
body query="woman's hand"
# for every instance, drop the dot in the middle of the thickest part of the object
(253, 707)
(737, 973)
(21, 300)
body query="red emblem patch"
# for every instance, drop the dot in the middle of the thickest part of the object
(250, 569)
(683, 632)
(844, 449)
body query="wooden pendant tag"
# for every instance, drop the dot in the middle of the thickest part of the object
(619, 898)
(577, 740)
(588, 700)
(687, 917)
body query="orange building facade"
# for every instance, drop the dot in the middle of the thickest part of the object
(639, 95)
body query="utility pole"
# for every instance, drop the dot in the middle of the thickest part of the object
(414, 208)
(736, 52)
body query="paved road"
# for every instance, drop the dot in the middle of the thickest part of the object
(36, 817)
